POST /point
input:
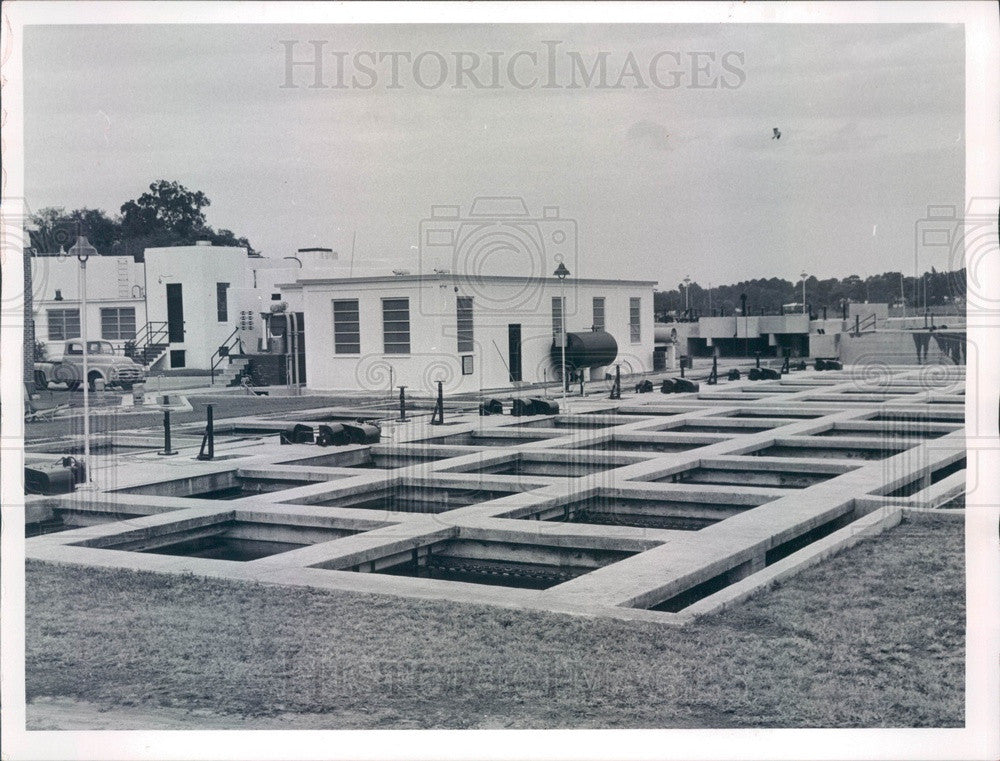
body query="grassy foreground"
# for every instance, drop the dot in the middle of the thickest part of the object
(872, 638)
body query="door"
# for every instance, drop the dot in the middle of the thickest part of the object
(514, 351)
(175, 313)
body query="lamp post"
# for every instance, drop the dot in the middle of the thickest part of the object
(561, 273)
(687, 291)
(83, 251)
(804, 275)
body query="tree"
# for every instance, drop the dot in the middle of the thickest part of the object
(58, 228)
(769, 295)
(168, 208)
(171, 215)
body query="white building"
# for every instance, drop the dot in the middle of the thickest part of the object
(472, 333)
(357, 330)
(116, 298)
(179, 306)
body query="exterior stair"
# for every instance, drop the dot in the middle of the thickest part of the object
(151, 353)
(230, 374)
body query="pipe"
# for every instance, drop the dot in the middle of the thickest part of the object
(166, 430)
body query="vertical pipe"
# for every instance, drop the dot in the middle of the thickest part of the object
(210, 431)
(166, 432)
(402, 404)
(295, 350)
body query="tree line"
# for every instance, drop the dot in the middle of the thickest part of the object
(168, 214)
(933, 288)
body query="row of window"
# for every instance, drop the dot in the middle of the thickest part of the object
(396, 323)
(634, 317)
(117, 323)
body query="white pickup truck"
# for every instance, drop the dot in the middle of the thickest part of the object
(102, 365)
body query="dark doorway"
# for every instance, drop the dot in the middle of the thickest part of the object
(514, 351)
(175, 313)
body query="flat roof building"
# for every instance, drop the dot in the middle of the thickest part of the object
(471, 332)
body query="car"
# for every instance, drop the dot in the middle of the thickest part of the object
(103, 364)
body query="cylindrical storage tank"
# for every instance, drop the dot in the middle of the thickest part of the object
(594, 348)
(663, 334)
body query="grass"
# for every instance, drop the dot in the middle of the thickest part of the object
(872, 638)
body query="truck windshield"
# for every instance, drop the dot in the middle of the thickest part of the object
(99, 347)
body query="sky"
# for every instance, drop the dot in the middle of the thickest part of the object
(653, 182)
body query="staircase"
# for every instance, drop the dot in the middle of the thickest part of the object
(149, 354)
(231, 374)
(149, 344)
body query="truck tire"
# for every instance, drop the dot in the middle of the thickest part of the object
(73, 385)
(126, 386)
(41, 382)
(92, 381)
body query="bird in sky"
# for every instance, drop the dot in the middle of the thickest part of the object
(777, 134)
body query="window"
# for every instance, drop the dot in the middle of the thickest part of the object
(557, 318)
(118, 324)
(346, 327)
(177, 358)
(634, 315)
(598, 313)
(63, 324)
(464, 324)
(467, 364)
(221, 302)
(396, 326)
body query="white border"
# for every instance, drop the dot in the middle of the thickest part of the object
(980, 739)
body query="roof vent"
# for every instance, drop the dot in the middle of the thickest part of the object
(203, 243)
(400, 273)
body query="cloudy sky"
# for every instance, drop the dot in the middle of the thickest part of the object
(662, 182)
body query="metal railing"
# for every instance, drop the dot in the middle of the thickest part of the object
(861, 326)
(151, 333)
(223, 351)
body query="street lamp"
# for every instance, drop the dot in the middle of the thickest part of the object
(561, 273)
(804, 275)
(83, 251)
(687, 290)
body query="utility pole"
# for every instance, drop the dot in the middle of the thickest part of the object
(561, 273)
(83, 251)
